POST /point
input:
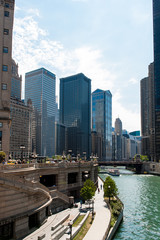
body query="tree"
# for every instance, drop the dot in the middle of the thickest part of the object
(110, 188)
(88, 190)
(2, 156)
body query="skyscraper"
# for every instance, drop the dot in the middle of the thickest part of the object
(156, 40)
(102, 120)
(118, 135)
(145, 116)
(75, 112)
(6, 27)
(40, 88)
(16, 82)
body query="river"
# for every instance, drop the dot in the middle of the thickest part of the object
(141, 197)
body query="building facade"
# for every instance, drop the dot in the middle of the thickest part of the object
(118, 135)
(21, 129)
(16, 82)
(102, 120)
(60, 138)
(148, 114)
(156, 40)
(40, 88)
(145, 124)
(75, 113)
(6, 28)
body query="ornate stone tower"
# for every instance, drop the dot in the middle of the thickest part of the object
(6, 27)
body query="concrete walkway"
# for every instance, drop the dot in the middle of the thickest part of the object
(102, 218)
(98, 228)
(50, 222)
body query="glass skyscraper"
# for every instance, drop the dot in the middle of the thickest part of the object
(102, 120)
(156, 39)
(40, 88)
(75, 112)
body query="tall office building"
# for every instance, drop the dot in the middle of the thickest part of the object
(145, 131)
(6, 27)
(148, 114)
(16, 82)
(102, 120)
(118, 135)
(151, 112)
(21, 119)
(21, 128)
(75, 112)
(156, 40)
(40, 88)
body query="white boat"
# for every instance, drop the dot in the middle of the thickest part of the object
(113, 172)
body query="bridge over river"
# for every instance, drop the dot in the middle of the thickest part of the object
(137, 165)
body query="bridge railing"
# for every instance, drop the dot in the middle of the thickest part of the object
(63, 164)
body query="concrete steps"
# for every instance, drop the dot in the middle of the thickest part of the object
(59, 232)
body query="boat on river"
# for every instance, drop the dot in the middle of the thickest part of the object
(113, 172)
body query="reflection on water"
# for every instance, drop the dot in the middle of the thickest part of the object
(141, 197)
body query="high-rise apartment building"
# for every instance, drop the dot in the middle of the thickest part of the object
(75, 113)
(102, 120)
(156, 40)
(145, 131)
(40, 88)
(6, 27)
(148, 114)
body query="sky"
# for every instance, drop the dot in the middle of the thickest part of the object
(110, 41)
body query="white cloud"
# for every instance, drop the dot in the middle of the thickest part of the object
(33, 12)
(133, 81)
(17, 8)
(33, 49)
(129, 118)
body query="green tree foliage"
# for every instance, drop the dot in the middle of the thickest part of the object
(88, 190)
(144, 158)
(110, 188)
(2, 156)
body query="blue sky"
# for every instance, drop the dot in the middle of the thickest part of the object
(110, 41)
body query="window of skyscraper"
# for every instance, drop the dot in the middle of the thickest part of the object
(5, 49)
(6, 31)
(5, 68)
(1, 124)
(6, 13)
(6, 5)
(4, 86)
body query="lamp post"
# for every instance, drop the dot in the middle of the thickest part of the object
(78, 155)
(70, 153)
(22, 147)
(70, 226)
(109, 192)
(84, 155)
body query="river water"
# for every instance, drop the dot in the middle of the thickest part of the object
(141, 197)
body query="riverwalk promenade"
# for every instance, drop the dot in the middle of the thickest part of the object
(97, 230)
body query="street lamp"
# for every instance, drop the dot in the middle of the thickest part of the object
(22, 147)
(78, 155)
(109, 187)
(84, 155)
(70, 226)
(70, 153)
